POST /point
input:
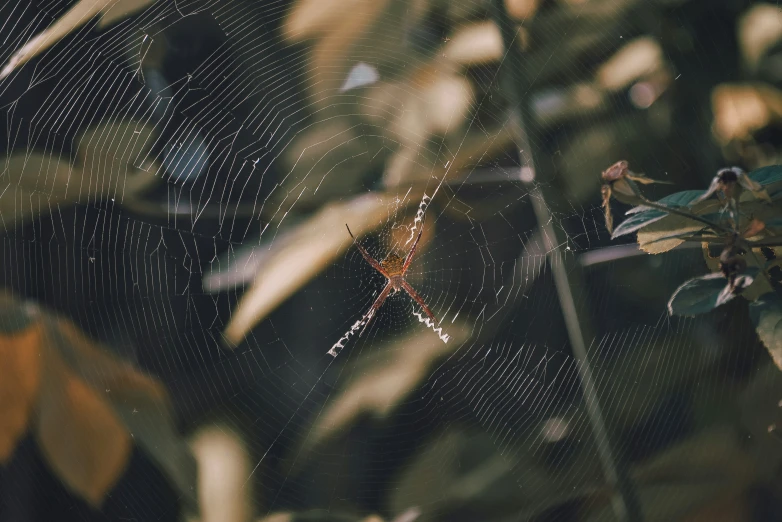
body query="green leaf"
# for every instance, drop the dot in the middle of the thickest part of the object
(637, 221)
(675, 200)
(703, 294)
(767, 175)
(766, 314)
(697, 296)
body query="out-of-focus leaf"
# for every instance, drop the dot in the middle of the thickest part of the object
(319, 515)
(767, 175)
(638, 221)
(409, 515)
(381, 386)
(80, 436)
(638, 58)
(140, 402)
(740, 110)
(78, 15)
(760, 28)
(766, 314)
(310, 247)
(521, 10)
(475, 44)
(690, 477)
(224, 465)
(555, 106)
(111, 160)
(84, 406)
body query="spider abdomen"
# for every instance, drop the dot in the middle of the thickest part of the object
(393, 264)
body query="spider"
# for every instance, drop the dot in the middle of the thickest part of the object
(394, 268)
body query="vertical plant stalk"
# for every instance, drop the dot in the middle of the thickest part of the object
(566, 272)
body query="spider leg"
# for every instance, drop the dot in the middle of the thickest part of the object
(375, 306)
(409, 258)
(418, 299)
(369, 259)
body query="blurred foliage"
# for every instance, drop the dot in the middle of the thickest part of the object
(277, 131)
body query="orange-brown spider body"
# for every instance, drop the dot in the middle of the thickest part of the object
(393, 265)
(394, 268)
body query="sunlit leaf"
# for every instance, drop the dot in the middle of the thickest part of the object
(651, 245)
(665, 234)
(766, 314)
(637, 221)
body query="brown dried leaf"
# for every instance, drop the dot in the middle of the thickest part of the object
(76, 16)
(79, 434)
(140, 402)
(83, 405)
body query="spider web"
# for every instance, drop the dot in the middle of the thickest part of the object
(223, 133)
